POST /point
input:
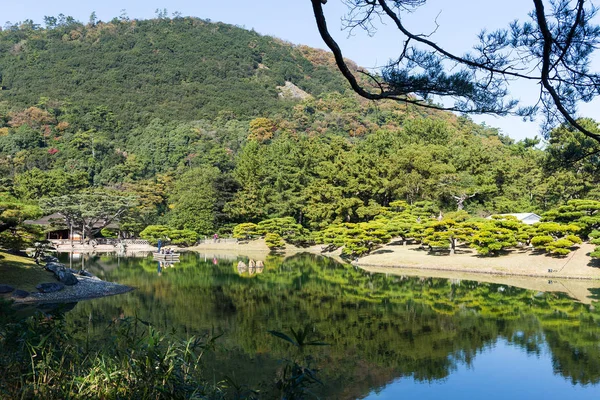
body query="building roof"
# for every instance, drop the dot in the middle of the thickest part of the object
(47, 220)
(57, 220)
(528, 218)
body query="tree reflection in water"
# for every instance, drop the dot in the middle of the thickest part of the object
(379, 327)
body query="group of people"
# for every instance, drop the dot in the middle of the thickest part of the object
(166, 251)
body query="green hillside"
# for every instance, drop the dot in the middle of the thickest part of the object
(186, 116)
(183, 69)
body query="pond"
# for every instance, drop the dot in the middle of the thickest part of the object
(388, 336)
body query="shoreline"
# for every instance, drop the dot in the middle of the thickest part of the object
(517, 263)
(396, 256)
(474, 272)
(24, 277)
(102, 248)
(86, 289)
(522, 268)
(257, 248)
(575, 275)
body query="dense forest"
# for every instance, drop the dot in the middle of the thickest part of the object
(197, 122)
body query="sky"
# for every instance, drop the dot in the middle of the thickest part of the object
(459, 21)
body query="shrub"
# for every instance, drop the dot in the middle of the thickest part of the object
(153, 233)
(245, 231)
(40, 358)
(541, 241)
(274, 241)
(184, 237)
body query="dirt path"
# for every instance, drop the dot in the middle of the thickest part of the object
(577, 265)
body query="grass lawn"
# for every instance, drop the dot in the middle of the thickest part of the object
(22, 273)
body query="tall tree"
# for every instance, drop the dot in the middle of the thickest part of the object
(89, 212)
(553, 49)
(194, 199)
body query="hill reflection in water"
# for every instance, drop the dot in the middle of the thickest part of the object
(381, 329)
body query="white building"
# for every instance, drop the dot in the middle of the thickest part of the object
(526, 218)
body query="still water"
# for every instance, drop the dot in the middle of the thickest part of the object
(389, 337)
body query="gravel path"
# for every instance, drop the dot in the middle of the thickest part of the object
(87, 288)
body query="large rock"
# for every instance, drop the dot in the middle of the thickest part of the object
(49, 259)
(85, 273)
(291, 91)
(54, 267)
(6, 289)
(50, 287)
(67, 278)
(19, 294)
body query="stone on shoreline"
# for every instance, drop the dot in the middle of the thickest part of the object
(49, 259)
(19, 294)
(67, 278)
(6, 289)
(54, 267)
(50, 287)
(85, 273)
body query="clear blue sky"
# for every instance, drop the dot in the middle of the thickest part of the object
(459, 22)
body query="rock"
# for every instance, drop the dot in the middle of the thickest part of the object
(6, 289)
(20, 294)
(50, 287)
(260, 264)
(54, 267)
(291, 91)
(85, 273)
(242, 267)
(67, 278)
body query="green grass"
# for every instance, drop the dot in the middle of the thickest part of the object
(22, 273)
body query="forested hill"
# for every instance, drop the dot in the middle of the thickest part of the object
(185, 115)
(183, 68)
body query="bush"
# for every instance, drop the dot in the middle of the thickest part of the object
(245, 231)
(184, 237)
(286, 228)
(574, 239)
(40, 358)
(274, 241)
(541, 241)
(153, 233)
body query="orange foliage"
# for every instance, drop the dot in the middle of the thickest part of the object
(33, 116)
(261, 129)
(62, 126)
